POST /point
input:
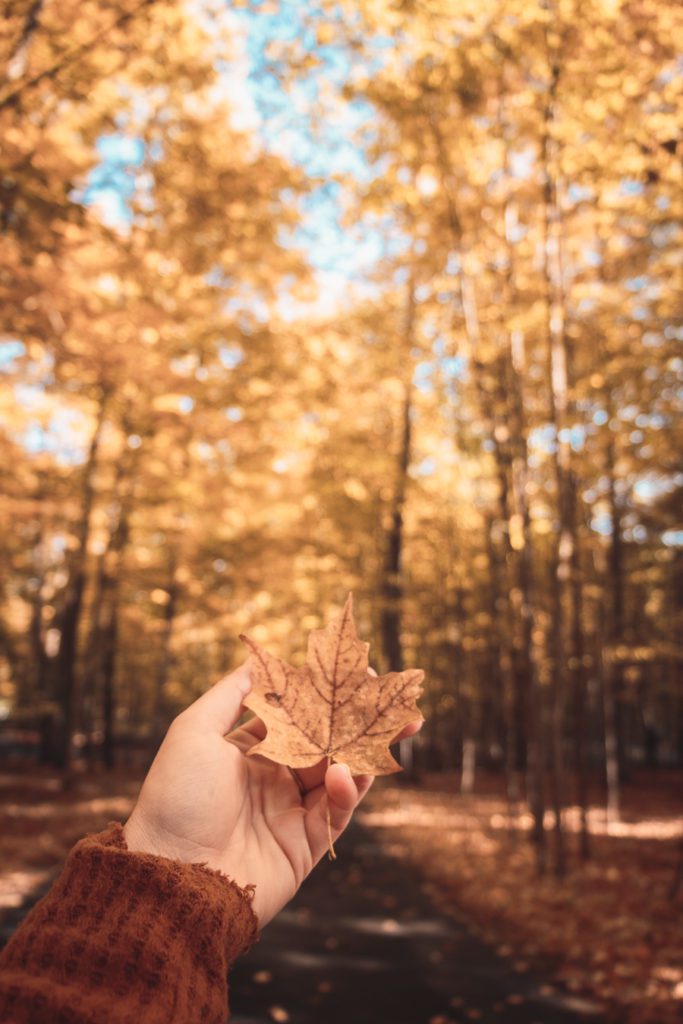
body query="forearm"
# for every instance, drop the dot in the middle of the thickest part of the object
(126, 936)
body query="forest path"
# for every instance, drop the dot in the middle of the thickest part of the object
(363, 943)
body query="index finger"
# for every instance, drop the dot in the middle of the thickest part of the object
(219, 708)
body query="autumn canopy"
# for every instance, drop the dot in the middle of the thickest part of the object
(302, 298)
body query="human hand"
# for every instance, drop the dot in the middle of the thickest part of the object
(205, 801)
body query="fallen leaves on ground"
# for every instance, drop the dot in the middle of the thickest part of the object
(608, 932)
(40, 821)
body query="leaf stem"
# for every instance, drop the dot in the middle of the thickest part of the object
(330, 842)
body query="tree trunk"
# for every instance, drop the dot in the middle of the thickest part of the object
(467, 709)
(535, 695)
(560, 418)
(501, 641)
(533, 704)
(392, 590)
(71, 615)
(392, 585)
(102, 644)
(611, 668)
(109, 649)
(38, 674)
(578, 675)
(524, 599)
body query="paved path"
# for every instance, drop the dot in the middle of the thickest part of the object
(11, 918)
(363, 943)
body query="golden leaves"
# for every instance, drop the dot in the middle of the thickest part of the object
(332, 708)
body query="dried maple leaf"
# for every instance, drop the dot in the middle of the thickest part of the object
(332, 708)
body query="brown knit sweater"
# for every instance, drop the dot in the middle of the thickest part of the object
(126, 937)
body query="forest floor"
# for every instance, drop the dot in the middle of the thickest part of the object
(610, 931)
(436, 895)
(40, 820)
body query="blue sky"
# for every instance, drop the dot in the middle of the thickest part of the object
(304, 120)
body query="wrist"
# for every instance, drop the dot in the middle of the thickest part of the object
(141, 839)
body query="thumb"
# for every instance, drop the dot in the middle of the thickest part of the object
(219, 708)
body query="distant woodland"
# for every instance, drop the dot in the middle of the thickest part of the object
(482, 443)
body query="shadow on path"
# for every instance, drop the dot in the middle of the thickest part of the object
(362, 943)
(11, 917)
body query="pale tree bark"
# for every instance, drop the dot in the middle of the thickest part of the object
(523, 597)
(611, 611)
(499, 435)
(525, 594)
(560, 416)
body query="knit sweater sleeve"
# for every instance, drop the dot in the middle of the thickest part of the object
(126, 937)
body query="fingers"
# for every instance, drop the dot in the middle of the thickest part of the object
(341, 796)
(219, 708)
(410, 730)
(310, 779)
(256, 728)
(363, 783)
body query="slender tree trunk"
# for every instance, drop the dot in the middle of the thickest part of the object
(467, 709)
(92, 658)
(501, 642)
(71, 615)
(611, 668)
(392, 585)
(392, 590)
(522, 550)
(110, 635)
(559, 410)
(578, 673)
(38, 675)
(535, 692)
(35, 686)
(102, 644)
